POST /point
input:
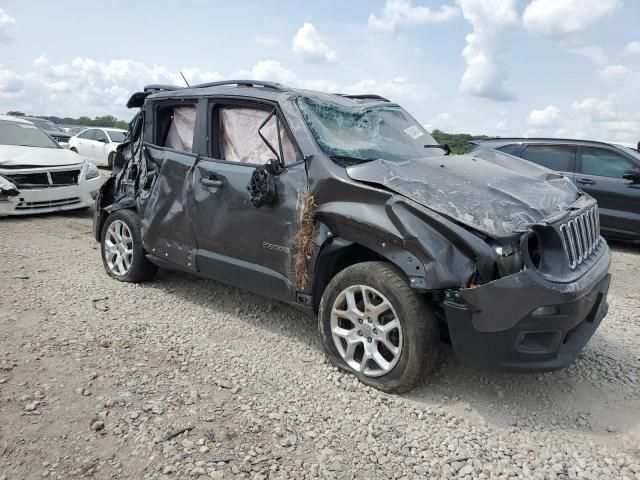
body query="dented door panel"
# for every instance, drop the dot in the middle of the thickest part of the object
(167, 229)
(246, 246)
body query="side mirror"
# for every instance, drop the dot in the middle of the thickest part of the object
(103, 140)
(633, 175)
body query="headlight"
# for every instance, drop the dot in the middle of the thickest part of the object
(91, 171)
(509, 259)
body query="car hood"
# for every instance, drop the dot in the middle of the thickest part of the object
(492, 192)
(17, 156)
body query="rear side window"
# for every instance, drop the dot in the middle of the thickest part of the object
(555, 157)
(602, 162)
(512, 149)
(175, 127)
(240, 142)
(100, 136)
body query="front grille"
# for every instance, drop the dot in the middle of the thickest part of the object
(62, 202)
(580, 236)
(61, 178)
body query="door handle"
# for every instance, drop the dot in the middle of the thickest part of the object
(585, 181)
(208, 182)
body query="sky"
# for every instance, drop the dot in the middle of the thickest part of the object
(562, 68)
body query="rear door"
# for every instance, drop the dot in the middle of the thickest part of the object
(100, 148)
(83, 142)
(599, 172)
(167, 214)
(561, 158)
(238, 243)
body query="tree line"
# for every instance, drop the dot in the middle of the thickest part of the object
(104, 121)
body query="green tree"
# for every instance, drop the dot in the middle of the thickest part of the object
(459, 142)
(15, 113)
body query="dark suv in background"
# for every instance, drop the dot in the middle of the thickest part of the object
(608, 172)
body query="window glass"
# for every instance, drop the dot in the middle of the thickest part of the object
(116, 136)
(24, 134)
(555, 157)
(100, 136)
(240, 141)
(89, 134)
(510, 149)
(604, 163)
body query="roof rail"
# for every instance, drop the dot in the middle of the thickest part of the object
(243, 83)
(363, 97)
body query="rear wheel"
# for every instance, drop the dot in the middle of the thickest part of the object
(110, 160)
(373, 324)
(122, 253)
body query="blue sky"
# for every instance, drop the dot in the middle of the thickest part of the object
(500, 67)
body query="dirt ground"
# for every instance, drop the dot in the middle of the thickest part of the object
(188, 378)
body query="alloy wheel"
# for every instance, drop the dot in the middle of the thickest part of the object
(118, 248)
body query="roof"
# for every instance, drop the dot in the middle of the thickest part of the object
(499, 141)
(254, 89)
(11, 118)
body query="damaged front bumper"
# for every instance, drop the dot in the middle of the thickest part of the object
(523, 322)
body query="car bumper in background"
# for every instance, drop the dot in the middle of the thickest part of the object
(51, 199)
(525, 323)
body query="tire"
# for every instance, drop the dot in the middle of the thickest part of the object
(110, 160)
(138, 269)
(416, 341)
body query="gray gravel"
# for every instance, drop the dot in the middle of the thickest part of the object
(188, 378)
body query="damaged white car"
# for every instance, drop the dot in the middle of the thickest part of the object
(39, 176)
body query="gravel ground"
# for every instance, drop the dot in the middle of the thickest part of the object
(188, 378)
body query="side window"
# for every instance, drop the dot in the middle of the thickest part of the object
(510, 149)
(604, 163)
(239, 140)
(100, 136)
(175, 126)
(555, 157)
(88, 134)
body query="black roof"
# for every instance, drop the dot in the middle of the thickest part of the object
(248, 88)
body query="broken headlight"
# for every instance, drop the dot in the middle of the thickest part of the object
(508, 259)
(90, 171)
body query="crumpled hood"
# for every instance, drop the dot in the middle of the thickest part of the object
(495, 193)
(14, 156)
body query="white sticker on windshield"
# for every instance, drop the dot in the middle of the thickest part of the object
(414, 132)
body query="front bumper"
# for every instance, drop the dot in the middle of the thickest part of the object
(51, 199)
(494, 325)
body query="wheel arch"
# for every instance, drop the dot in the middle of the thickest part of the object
(339, 252)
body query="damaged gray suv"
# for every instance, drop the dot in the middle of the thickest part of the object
(345, 206)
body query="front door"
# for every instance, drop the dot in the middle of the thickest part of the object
(599, 172)
(238, 243)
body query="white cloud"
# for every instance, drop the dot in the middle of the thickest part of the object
(270, 70)
(399, 13)
(593, 52)
(598, 110)
(487, 74)
(632, 48)
(545, 118)
(443, 121)
(311, 46)
(616, 72)
(267, 41)
(559, 19)
(7, 23)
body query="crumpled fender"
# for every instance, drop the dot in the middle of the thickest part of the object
(433, 252)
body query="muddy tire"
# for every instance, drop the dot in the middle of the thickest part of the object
(372, 324)
(121, 246)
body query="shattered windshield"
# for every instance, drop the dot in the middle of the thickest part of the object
(355, 134)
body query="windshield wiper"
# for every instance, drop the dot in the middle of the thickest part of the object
(444, 147)
(347, 161)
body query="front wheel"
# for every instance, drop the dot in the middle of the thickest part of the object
(373, 324)
(122, 253)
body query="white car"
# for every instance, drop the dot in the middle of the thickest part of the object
(39, 176)
(98, 144)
